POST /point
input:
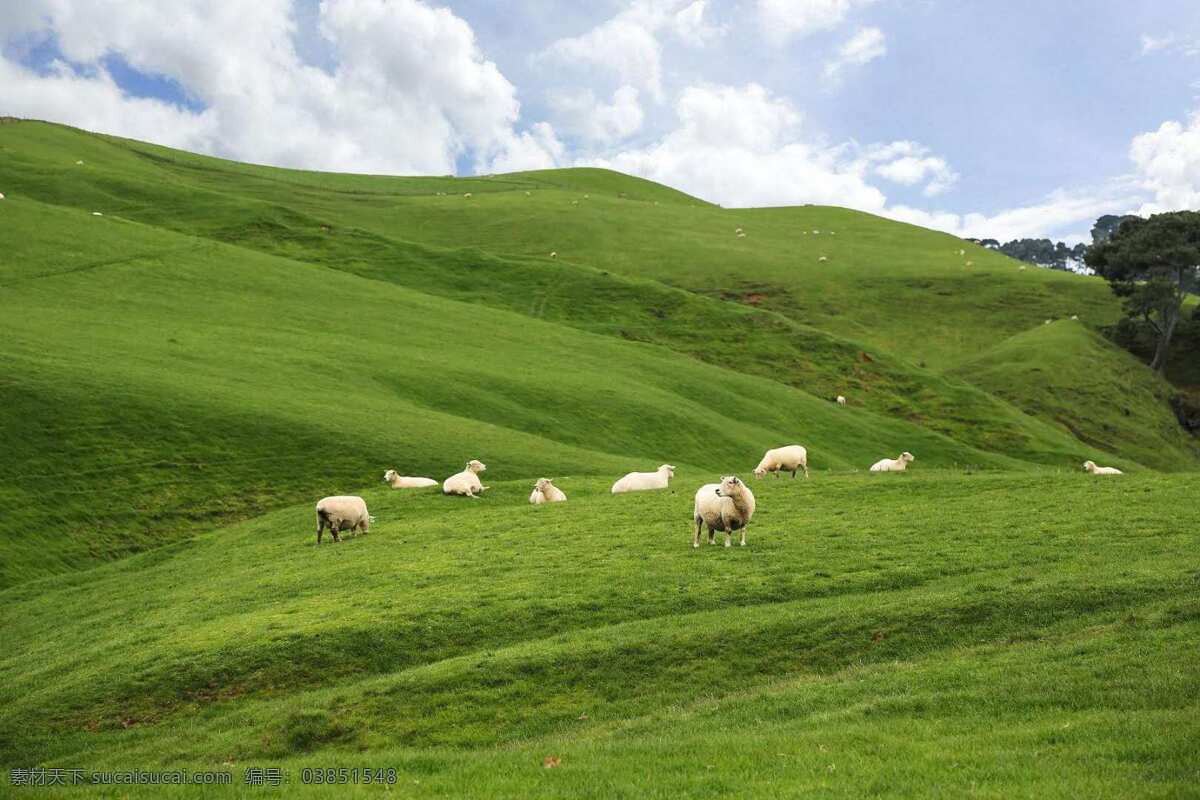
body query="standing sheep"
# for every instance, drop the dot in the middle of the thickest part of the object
(841, 400)
(725, 506)
(893, 464)
(546, 492)
(643, 481)
(405, 482)
(1091, 467)
(783, 459)
(341, 513)
(467, 482)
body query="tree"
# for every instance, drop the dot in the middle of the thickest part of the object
(1106, 226)
(1152, 263)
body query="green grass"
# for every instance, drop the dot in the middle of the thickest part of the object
(183, 376)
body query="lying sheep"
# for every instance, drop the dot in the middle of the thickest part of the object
(841, 401)
(544, 491)
(1091, 467)
(342, 513)
(467, 482)
(405, 482)
(893, 464)
(783, 459)
(644, 481)
(725, 506)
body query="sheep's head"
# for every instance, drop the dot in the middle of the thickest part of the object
(907, 457)
(667, 468)
(476, 466)
(389, 475)
(760, 471)
(543, 484)
(1088, 466)
(730, 486)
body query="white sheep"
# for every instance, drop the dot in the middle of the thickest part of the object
(893, 464)
(741, 235)
(466, 194)
(1074, 316)
(725, 506)
(1, 195)
(97, 214)
(554, 254)
(341, 513)
(970, 263)
(738, 229)
(467, 482)
(79, 162)
(962, 252)
(841, 400)
(645, 481)
(529, 194)
(544, 491)
(822, 258)
(1047, 322)
(391, 478)
(816, 232)
(1091, 467)
(1021, 268)
(783, 459)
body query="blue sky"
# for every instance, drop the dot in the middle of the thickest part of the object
(1005, 119)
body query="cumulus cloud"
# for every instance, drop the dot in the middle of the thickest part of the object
(1167, 163)
(862, 48)
(783, 20)
(410, 91)
(628, 44)
(579, 112)
(909, 164)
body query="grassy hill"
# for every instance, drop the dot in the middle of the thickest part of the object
(183, 374)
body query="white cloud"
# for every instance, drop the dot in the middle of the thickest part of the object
(411, 91)
(862, 48)
(783, 20)
(1167, 162)
(627, 45)
(909, 164)
(1170, 43)
(581, 113)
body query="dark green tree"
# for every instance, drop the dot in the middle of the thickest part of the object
(1152, 264)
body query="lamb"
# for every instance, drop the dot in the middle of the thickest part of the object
(841, 401)
(783, 459)
(725, 506)
(405, 482)
(341, 513)
(645, 481)
(893, 464)
(467, 482)
(1091, 467)
(544, 491)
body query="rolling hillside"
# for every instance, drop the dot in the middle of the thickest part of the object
(197, 349)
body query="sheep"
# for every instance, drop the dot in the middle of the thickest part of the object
(841, 401)
(97, 214)
(466, 194)
(405, 482)
(741, 235)
(893, 464)
(544, 491)
(725, 506)
(823, 258)
(783, 459)
(1, 195)
(340, 513)
(1074, 317)
(529, 194)
(1021, 268)
(467, 482)
(817, 232)
(1091, 467)
(587, 197)
(1047, 322)
(961, 253)
(645, 481)
(79, 163)
(554, 254)
(970, 263)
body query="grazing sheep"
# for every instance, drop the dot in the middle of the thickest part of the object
(893, 464)
(791, 458)
(1074, 316)
(467, 482)
(823, 258)
(97, 214)
(79, 162)
(645, 481)
(341, 513)
(405, 482)
(466, 194)
(1091, 467)
(554, 254)
(544, 491)
(816, 232)
(725, 506)
(841, 401)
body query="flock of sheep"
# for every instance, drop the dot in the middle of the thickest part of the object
(726, 506)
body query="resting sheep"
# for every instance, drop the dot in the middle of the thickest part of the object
(546, 492)
(783, 459)
(725, 506)
(467, 482)
(405, 482)
(645, 481)
(1091, 467)
(841, 401)
(342, 513)
(893, 464)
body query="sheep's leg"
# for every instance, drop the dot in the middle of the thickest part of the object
(743, 543)
(793, 474)
(320, 529)
(333, 529)
(805, 470)
(696, 535)
(712, 532)
(728, 535)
